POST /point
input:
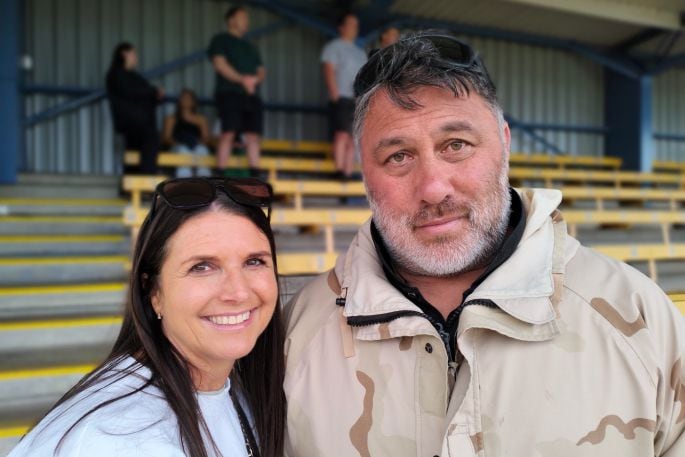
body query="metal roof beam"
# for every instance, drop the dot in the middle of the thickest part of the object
(374, 16)
(637, 39)
(306, 20)
(668, 63)
(619, 64)
(613, 10)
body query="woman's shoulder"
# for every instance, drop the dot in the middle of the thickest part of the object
(119, 410)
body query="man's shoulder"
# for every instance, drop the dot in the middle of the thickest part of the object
(314, 301)
(621, 294)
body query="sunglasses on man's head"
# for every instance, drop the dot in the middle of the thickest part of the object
(453, 54)
(191, 193)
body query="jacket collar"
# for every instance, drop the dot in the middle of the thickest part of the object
(523, 286)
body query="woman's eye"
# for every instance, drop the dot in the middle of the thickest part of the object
(255, 262)
(200, 267)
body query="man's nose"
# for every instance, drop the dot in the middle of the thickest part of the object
(434, 181)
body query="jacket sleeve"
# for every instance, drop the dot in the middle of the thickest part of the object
(667, 325)
(130, 85)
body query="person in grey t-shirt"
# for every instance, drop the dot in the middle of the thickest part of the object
(341, 59)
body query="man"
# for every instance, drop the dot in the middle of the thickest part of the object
(239, 71)
(389, 36)
(464, 320)
(341, 59)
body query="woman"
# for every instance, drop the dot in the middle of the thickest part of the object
(187, 131)
(133, 102)
(197, 368)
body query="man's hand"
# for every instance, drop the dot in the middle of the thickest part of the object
(249, 82)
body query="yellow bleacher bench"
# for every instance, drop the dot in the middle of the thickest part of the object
(562, 162)
(649, 253)
(271, 164)
(602, 194)
(668, 166)
(326, 218)
(663, 219)
(594, 177)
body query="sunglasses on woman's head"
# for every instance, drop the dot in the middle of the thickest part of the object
(453, 54)
(191, 193)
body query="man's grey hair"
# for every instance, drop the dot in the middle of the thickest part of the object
(415, 62)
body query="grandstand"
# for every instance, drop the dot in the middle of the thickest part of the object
(66, 233)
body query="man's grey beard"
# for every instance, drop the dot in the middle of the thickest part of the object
(454, 253)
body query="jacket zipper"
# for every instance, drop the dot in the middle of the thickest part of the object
(362, 321)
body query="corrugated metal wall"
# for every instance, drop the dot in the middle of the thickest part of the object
(71, 43)
(547, 86)
(668, 113)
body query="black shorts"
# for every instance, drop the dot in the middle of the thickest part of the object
(342, 114)
(239, 112)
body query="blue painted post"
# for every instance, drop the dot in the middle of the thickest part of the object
(628, 119)
(10, 104)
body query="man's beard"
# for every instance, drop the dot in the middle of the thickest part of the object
(449, 254)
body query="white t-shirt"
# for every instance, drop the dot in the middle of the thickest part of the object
(347, 58)
(141, 424)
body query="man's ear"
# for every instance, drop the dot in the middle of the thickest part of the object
(507, 139)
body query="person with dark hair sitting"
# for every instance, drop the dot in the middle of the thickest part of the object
(197, 368)
(133, 103)
(187, 131)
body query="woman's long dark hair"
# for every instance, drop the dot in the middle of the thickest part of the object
(118, 60)
(192, 94)
(258, 376)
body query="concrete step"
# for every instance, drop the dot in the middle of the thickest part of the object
(56, 245)
(61, 191)
(68, 180)
(19, 271)
(39, 343)
(10, 434)
(61, 206)
(62, 186)
(26, 394)
(61, 225)
(52, 301)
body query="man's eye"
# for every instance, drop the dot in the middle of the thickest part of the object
(457, 146)
(397, 157)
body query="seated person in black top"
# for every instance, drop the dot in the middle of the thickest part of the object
(187, 131)
(133, 101)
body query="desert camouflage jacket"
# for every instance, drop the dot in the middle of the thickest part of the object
(582, 356)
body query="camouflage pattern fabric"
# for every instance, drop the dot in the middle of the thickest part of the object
(584, 356)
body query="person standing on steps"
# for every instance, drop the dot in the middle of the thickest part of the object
(239, 72)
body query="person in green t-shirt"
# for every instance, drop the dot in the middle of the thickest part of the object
(239, 71)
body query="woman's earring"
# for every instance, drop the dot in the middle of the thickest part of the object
(159, 316)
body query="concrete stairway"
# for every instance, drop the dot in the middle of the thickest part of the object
(63, 255)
